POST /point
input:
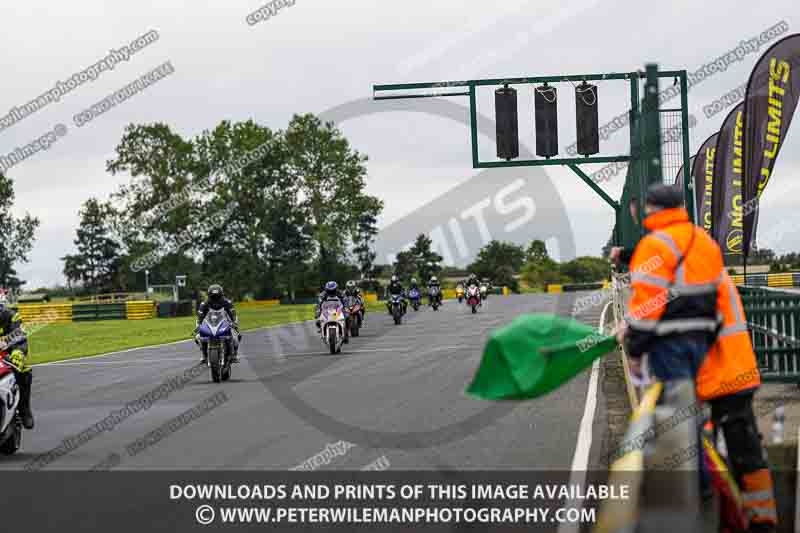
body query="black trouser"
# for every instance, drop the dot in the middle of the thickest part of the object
(25, 383)
(734, 414)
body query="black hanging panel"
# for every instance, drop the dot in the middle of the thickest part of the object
(586, 119)
(505, 105)
(545, 106)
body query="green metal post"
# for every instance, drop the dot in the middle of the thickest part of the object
(687, 177)
(473, 124)
(590, 182)
(652, 131)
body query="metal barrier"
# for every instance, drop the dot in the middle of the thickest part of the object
(773, 317)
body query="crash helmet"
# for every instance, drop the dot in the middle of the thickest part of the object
(331, 288)
(395, 279)
(215, 295)
(434, 279)
(413, 281)
(350, 285)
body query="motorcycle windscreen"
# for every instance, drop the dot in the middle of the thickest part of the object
(217, 321)
(330, 310)
(534, 355)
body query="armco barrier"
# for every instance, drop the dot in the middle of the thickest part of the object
(45, 312)
(574, 287)
(140, 310)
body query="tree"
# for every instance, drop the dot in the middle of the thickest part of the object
(539, 269)
(405, 265)
(537, 252)
(419, 261)
(97, 262)
(364, 236)
(499, 261)
(331, 178)
(586, 269)
(18, 236)
(428, 261)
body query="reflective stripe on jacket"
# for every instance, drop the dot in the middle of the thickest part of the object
(730, 365)
(675, 272)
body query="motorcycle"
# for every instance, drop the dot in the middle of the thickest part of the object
(216, 332)
(396, 306)
(333, 325)
(473, 298)
(484, 291)
(415, 298)
(460, 292)
(355, 311)
(10, 420)
(434, 298)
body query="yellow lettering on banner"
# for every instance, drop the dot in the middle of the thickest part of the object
(709, 188)
(779, 71)
(736, 212)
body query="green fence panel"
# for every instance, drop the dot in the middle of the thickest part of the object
(90, 312)
(773, 317)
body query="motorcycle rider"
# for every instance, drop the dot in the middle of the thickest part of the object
(433, 283)
(473, 280)
(331, 293)
(13, 336)
(488, 284)
(395, 288)
(414, 285)
(216, 301)
(352, 290)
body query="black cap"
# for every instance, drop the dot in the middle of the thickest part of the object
(664, 196)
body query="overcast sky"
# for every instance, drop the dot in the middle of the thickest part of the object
(318, 54)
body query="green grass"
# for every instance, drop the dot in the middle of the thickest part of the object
(56, 342)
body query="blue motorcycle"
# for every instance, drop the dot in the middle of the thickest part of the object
(216, 336)
(415, 298)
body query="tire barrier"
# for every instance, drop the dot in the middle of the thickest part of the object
(781, 279)
(140, 310)
(45, 312)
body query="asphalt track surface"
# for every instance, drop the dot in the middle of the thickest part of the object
(395, 394)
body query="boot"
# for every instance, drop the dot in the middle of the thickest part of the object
(204, 350)
(24, 381)
(234, 352)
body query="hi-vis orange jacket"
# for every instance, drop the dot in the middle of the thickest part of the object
(675, 272)
(730, 365)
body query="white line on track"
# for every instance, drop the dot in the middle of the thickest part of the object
(82, 362)
(580, 461)
(107, 354)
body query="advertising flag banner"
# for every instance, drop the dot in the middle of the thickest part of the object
(769, 104)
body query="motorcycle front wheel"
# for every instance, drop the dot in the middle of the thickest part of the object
(332, 342)
(14, 441)
(214, 356)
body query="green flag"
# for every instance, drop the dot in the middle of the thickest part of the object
(534, 355)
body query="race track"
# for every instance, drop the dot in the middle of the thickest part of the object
(394, 398)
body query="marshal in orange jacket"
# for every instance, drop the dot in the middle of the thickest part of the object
(676, 270)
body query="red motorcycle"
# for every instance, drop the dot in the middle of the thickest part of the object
(10, 421)
(355, 313)
(473, 298)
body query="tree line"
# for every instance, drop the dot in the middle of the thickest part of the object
(265, 225)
